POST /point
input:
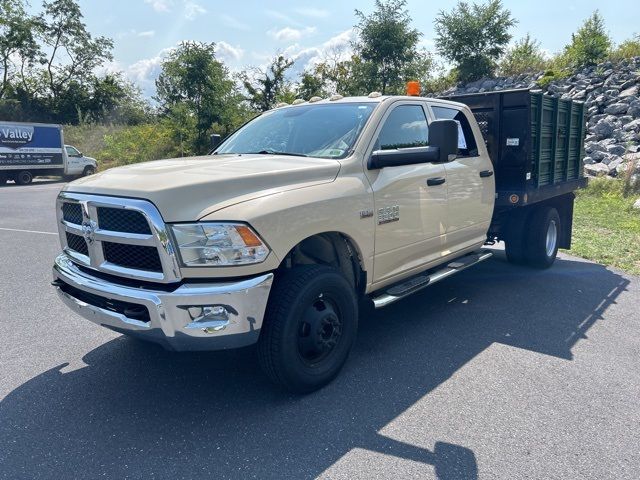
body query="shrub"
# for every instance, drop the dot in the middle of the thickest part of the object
(140, 143)
(590, 45)
(627, 49)
(525, 57)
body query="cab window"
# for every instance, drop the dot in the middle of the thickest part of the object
(467, 146)
(405, 127)
(72, 152)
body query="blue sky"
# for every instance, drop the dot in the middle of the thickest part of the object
(249, 32)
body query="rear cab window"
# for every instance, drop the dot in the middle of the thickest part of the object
(467, 146)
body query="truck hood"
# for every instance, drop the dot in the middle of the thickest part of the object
(187, 189)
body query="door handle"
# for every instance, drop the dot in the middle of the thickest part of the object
(435, 181)
(486, 173)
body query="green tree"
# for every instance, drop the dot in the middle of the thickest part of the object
(17, 42)
(311, 85)
(192, 77)
(72, 52)
(268, 87)
(590, 45)
(525, 57)
(339, 75)
(474, 37)
(387, 48)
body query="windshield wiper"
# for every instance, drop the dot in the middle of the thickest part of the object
(273, 152)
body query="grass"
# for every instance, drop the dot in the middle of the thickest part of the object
(606, 228)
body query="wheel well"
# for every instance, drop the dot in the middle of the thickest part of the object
(333, 249)
(508, 218)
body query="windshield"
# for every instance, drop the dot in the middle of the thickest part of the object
(323, 131)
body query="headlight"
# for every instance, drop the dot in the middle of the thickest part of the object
(218, 244)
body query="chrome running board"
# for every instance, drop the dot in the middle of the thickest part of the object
(423, 280)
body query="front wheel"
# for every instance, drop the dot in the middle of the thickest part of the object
(309, 328)
(88, 170)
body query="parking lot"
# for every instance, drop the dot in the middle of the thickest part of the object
(499, 372)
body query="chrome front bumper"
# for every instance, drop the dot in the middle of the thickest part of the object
(175, 318)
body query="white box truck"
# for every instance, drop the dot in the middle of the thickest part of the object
(29, 150)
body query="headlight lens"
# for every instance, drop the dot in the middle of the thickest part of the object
(218, 244)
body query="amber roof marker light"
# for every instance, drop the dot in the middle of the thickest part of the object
(413, 88)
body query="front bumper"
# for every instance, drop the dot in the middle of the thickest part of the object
(170, 320)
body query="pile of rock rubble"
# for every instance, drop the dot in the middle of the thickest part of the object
(610, 92)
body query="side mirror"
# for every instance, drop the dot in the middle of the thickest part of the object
(216, 139)
(444, 135)
(404, 156)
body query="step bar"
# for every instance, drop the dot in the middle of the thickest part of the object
(423, 280)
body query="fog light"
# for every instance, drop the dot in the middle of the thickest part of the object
(209, 318)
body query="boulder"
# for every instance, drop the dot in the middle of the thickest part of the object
(616, 149)
(632, 126)
(604, 128)
(634, 109)
(596, 169)
(617, 108)
(636, 204)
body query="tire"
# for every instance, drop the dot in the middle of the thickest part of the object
(515, 238)
(3, 179)
(24, 177)
(88, 170)
(543, 234)
(309, 328)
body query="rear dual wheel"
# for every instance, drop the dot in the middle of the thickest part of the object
(532, 238)
(309, 328)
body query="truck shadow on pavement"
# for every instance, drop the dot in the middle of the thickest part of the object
(137, 411)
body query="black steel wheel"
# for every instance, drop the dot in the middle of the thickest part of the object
(24, 177)
(309, 328)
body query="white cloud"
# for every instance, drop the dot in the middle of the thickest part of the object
(289, 34)
(337, 48)
(228, 52)
(144, 73)
(160, 5)
(148, 33)
(312, 12)
(193, 9)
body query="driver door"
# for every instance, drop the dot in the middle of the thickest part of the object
(74, 160)
(410, 200)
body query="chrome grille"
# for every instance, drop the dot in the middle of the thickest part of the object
(119, 236)
(77, 243)
(72, 213)
(119, 220)
(132, 256)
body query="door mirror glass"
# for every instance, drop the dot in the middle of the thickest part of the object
(444, 135)
(216, 139)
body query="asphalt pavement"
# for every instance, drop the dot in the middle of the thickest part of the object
(498, 372)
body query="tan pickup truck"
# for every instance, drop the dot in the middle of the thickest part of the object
(278, 236)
